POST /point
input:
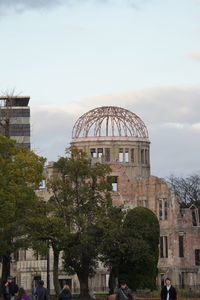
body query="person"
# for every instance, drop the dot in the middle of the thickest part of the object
(168, 292)
(92, 294)
(123, 293)
(40, 292)
(65, 294)
(10, 288)
(22, 295)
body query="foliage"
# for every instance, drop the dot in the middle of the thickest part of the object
(71, 220)
(45, 227)
(21, 172)
(82, 192)
(187, 190)
(113, 244)
(141, 232)
(132, 245)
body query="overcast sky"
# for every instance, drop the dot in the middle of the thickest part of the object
(71, 56)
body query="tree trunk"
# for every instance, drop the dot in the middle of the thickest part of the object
(55, 271)
(84, 288)
(5, 268)
(112, 282)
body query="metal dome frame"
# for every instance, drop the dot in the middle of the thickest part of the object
(112, 120)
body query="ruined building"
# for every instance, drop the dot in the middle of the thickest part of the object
(120, 138)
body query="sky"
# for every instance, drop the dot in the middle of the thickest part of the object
(71, 56)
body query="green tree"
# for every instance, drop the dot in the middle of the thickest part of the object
(141, 234)
(21, 172)
(82, 192)
(46, 227)
(112, 244)
(130, 245)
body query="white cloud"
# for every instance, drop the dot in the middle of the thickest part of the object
(170, 113)
(155, 104)
(195, 55)
(75, 28)
(196, 126)
(173, 125)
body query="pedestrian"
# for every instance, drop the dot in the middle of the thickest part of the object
(123, 293)
(168, 292)
(10, 288)
(40, 291)
(65, 294)
(92, 294)
(22, 295)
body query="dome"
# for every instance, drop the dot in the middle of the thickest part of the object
(109, 121)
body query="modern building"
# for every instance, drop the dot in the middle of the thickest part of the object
(118, 137)
(15, 119)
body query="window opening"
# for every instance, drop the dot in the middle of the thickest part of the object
(163, 210)
(120, 155)
(132, 155)
(163, 247)
(142, 156)
(93, 153)
(197, 257)
(146, 156)
(126, 155)
(113, 180)
(181, 245)
(99, 152)
(107, 154)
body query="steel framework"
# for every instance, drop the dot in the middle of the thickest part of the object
(109, 121)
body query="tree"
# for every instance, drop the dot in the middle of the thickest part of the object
(81, 191)
(21, 172)
(112, 244)
(128, 252)
(187, 190)
(46, 227)
(141, 233)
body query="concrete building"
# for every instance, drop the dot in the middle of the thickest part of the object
(119, 138)
(15, 119)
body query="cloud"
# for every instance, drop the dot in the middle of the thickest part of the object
(196, 126)
(170, 113)
(156, 104)
(195, 55)
(75, 28)
(51, 129)
(23, 5)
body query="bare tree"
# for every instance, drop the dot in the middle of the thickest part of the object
(186, 189)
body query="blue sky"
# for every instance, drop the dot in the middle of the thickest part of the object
(72, 56)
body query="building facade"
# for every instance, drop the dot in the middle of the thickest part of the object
(15, 119)
(119, 138)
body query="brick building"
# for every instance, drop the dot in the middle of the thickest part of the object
(119, 138)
